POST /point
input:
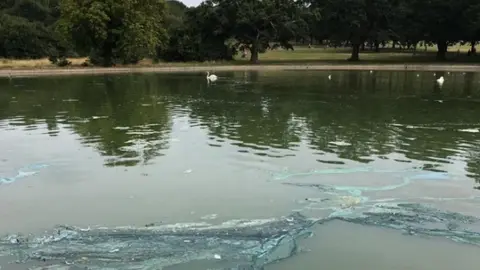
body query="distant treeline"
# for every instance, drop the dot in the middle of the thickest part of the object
(126, 31)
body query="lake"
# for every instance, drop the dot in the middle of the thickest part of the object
(258, 170)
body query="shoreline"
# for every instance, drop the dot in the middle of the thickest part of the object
(37, 72)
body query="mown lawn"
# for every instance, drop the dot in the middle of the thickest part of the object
(301, 55)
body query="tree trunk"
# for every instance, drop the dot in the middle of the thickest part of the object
(393, 44)
(254, 53)
(442, 50)
(363, 46)
(377, 46)
(355, 53)
(107, 55)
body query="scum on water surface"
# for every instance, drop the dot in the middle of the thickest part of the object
(241, 244)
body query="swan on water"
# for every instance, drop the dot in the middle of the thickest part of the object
(441, 80)
(211, 78)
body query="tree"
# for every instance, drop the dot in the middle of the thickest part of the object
(26, 29)
(199, 37)
(405, 25)
(114, 30)
(174, 15)
(20, 38)
(442, 21)
(312, 17)
(356, 21)
(472, 15)
(44, 11)
(255, 23)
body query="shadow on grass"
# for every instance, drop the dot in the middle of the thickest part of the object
(371, 58)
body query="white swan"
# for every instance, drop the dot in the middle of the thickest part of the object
(211, 78)
(441, 80)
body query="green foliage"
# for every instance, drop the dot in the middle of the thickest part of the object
(125, 31)
(27, 31)
(44, 11)
(175, 14)
(255, 24)
(199, 37)
(20, 38)
(443, 22)
(114, 31)
(356, 21)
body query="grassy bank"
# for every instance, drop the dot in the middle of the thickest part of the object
(300, 58)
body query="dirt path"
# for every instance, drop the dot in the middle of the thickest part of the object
(164, 69)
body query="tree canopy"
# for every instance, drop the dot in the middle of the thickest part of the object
(114, 30)
(257, 23)
(125, 31)
(26, 28)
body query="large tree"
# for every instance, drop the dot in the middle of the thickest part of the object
(200, 37)
(472, 15)
(175, 14)
(255, 23)
(405, 24)
(443, 22)
(114, 30)
(26, 28)
(314, 27)
(20, 38)
(356, 21)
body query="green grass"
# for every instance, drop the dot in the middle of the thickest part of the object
(331, 55)
(301, 55)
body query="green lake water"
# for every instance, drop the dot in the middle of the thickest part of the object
(258, 170)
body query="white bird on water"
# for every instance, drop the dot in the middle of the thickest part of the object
(441, 80)
(329, 77)
(211, 78)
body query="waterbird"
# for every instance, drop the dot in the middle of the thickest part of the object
(441, 80)
(211, 78)
(329, 77)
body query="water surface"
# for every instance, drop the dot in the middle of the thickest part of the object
(136, 150)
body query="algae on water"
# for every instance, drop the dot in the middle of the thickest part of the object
(237, 244)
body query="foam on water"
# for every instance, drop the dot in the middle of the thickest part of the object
(23, 172)
(244, 244)
(240, 244)
(253, 243)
